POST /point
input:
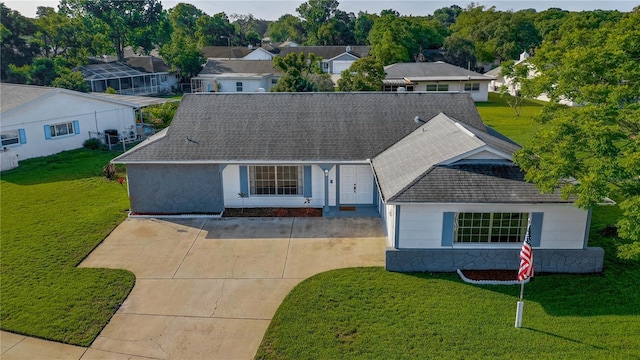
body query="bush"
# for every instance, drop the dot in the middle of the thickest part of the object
(93, 144)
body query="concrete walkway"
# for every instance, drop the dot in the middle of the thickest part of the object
(209, 288)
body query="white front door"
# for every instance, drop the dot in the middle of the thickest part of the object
(356, 184)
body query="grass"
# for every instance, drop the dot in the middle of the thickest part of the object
(368, 313)
(55, 210)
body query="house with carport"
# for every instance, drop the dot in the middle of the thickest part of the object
(443, 183)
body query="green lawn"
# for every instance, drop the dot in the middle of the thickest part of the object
(55, 210)
(368, 313)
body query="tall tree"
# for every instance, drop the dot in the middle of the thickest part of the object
(316, 14)
(365, 74)
(459, 51)
(447, 16)
(591, 150)
(125, 19)
(287, 27)
(16, 47)
(214, 30)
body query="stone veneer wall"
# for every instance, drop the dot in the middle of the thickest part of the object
(448, 260)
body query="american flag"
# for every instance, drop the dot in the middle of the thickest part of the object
(526, 257)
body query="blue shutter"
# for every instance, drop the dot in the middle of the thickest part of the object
(536, 228)
(307, 181)
(448, 220)
(244, 180)
(23, 136)
(47, 132)
(76, 126)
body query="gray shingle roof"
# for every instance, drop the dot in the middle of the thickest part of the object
(476, 183)
(296, 126)
(425, 71)
(226, 52)
(218, 67)
(14, 95)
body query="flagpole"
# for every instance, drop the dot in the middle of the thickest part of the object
(525, 271)
(520, 306)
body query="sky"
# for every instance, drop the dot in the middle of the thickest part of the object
(272, 10)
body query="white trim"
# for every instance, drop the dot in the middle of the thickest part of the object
(464, 129)
(491, 282)
(244, 162)
(476, 151)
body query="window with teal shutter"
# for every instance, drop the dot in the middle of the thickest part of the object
(47, 132)
(23, 136)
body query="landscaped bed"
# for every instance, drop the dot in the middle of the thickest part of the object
(55, 210)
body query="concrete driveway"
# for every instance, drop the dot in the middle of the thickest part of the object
(209, 288)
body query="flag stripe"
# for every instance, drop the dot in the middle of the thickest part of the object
(526, 257)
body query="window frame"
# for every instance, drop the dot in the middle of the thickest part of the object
(278, 180)
(494, 228)
(437, 87)
(472, 87)
(68, 125)
(239, 86)
(5, 139)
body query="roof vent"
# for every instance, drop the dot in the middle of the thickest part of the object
(348, 48)
(419, 121)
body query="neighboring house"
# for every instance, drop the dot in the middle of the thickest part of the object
(514, 89)
(436, 77)
(39, 121)
(126, 80)
(259, 54)
(236, 76)
(335, 59)
(227, 52)
(444, 185)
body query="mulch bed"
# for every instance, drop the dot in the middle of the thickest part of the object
(273, 212)
(499, 275)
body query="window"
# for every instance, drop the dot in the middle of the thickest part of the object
(61, 129)
(472, 87)
(163, 78)
(490, 227)
(275, 180)
(437, 87)
(394, 88)
(274, 81)
(10, 137)
(239, 86)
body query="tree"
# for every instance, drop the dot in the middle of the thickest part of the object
(315, 14)
(447, 16)
(16, 47)
(517, 74)
(287, 27)
(362, 27)
(214, 30)
(459, 51)
(595, 144)
(183, 55)
(72, 80)
(297, 68)
(365, 74)
(125, 19)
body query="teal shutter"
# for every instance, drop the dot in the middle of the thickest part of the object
(307, 181)
(23, 136)
(536, 228)
(76, 126)
(244, 180)
(448, 221)
(47, 132)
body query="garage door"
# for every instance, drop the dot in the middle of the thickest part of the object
(341, 65)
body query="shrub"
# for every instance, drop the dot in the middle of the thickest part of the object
(93, 144)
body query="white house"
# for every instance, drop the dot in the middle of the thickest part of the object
(335, 59)
(436, 77)
(39, 121)
(443, 183)
(236, 76)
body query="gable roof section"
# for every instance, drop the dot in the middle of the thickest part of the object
(296, 127)
(14, 96)
(432, 71)
(150, 64)
(442, 139)
(475, 183)
(226, 52)
(219, 67)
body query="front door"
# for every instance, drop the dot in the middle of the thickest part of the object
(356, 184)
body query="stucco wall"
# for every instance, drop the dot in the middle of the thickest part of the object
(563, 225)
(174, 189)
(92, 114)
(448, 260)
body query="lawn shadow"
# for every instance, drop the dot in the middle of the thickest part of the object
(66, 166)
(563, 338)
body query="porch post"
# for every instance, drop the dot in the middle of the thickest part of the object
(326, 190)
